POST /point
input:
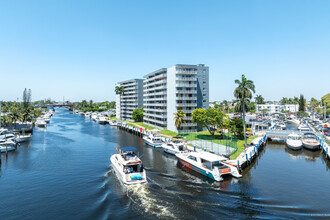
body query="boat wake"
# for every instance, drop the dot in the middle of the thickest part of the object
(141, 196)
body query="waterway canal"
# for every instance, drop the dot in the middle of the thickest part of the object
(64, 173)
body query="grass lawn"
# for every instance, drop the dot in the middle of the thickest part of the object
(169, 133)
(225, 140)
(240, 146)
(145, 126)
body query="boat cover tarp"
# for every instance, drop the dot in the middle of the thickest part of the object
(127, 149)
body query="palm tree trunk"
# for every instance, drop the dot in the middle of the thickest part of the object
(245, 143)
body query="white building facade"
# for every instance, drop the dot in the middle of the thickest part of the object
(131, 99)
(277, 108)
(167, 90)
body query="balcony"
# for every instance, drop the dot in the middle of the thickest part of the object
(186, 104)
(155, 121)
(186, 85)
(186, 91)
(186, 98)
(186, 79)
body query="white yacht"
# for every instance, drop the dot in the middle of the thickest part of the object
(101, 120)
(293, 120)
(5, 134)
(128, 166)
(46, 118)
(87, 115)
(22, 137)
(294, 142)
(41, 123)
(153, 140)
(310, 141)
(4, 148)
(174, 148)
(303, 127)
(94, 116)
(282, 125)
(113, 122)
(208, 164)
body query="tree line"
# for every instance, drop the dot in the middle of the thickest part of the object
(19, 111)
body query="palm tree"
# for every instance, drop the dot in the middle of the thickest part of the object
(15, 115)
(5, 120)
(178, 119)
(244, 91)
(284, 100)
(259, 99)
(119, 90)
(239, 105)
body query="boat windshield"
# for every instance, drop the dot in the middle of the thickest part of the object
(294, 137)
(129, 155)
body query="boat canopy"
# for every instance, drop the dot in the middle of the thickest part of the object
(127, 149)
(208, 156)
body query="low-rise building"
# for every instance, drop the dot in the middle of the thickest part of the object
(277, 108)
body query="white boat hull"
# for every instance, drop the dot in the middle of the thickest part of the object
(125, 178)
(311, 146)
(23, 138)
(150, 143)
(3, 149)
(214, 174)
(297, 145)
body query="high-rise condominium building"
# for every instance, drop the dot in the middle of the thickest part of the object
(131, 99)
(167, 90)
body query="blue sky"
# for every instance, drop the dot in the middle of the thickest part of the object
(80, 49)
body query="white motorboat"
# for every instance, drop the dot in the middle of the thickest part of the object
(113, 122)
(41, 123)
(310, 141)
(303, 127)
(282, 125)
(101, 120)
(94, 116)
(6, 134)
(294, 142)
(87, 115)
(128, 166)
(208, 164)
(174, 148)
(153, 140)
(22, 138)
(4, 149)
(46, 119)
(293, 120)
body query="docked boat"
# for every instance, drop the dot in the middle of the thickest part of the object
(22, 138)
(128, 166)
(101, 120)
(310, 141)
(46, 119)
(94, 116)
(208, 164)
(153, 140)
(5, 134)
(87, 115)
(293, 120)
(7, 148)
(303, 127)
(113, 122)
(294, 142)
(174, 148)
(41, 123)
(282, 125)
